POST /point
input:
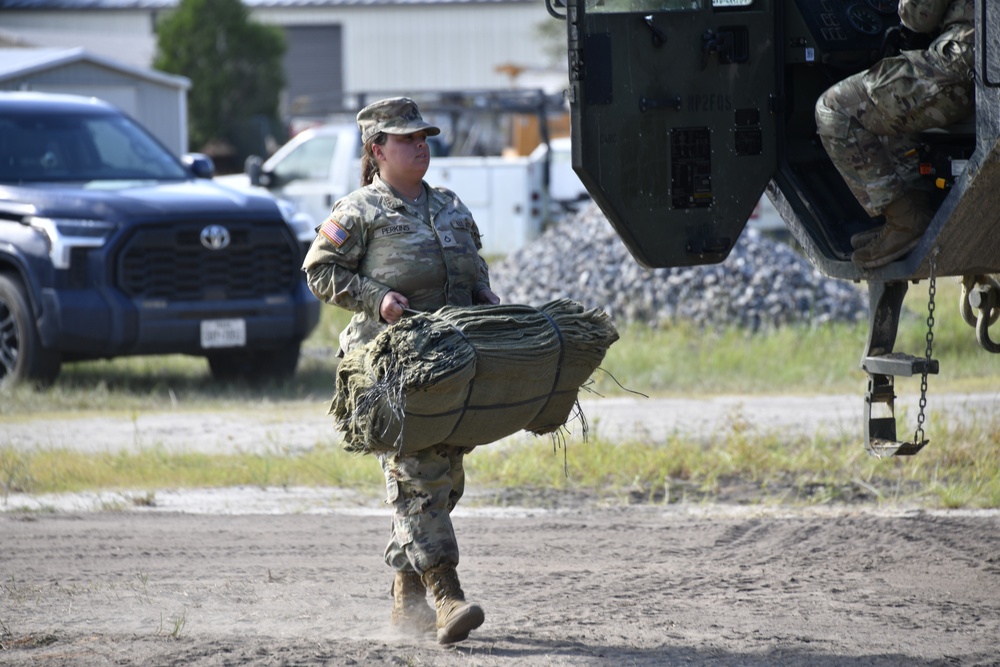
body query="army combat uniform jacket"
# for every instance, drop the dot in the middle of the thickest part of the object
(954, 21)
(374, 241)
(949, 59)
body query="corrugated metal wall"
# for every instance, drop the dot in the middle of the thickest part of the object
(427, 47)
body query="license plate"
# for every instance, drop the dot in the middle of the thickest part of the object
(224, 333)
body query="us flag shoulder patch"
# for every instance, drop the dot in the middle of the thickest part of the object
(337, 234)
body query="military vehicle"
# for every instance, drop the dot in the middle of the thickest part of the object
(683, 112)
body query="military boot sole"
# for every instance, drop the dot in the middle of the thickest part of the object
(461, 624)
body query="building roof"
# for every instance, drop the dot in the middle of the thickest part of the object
(166, 4)
(18, 62)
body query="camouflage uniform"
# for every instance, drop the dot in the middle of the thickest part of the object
(387, 244)
(868, 122)
(373, 242)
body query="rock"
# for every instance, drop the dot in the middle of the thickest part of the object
(763, 283)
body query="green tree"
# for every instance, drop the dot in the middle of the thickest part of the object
(235, 67)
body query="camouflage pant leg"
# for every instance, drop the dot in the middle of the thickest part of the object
(423, 488)
(867, 124)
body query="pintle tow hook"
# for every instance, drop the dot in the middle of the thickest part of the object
(981, 293)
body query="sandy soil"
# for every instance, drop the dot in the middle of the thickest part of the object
(594, 586)
(295, 577)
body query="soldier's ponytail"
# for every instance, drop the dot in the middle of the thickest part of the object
(369, 165)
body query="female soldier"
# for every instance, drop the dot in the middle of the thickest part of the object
(395, 244)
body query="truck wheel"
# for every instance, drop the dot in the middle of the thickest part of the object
(255, 365)
(22, 357)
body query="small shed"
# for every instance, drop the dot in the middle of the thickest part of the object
(155, 99)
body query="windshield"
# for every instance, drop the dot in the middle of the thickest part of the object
(309, 160)
(59, 147)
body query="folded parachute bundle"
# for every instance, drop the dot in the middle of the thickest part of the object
(468, 376)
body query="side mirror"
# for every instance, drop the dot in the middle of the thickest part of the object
(200, 164)
(252, 168)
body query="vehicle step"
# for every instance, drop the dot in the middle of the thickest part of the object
(900, 364)
(880, 448)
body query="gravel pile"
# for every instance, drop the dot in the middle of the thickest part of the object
(762, 284)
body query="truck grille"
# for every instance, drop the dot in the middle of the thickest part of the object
(171, 263)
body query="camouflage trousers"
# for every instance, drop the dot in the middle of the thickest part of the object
(869, 121)
(423, 488)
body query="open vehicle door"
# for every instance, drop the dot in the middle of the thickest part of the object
(684, 111)
(673, 130)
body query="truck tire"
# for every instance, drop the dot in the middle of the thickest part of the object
(22, 357)
(258, 366)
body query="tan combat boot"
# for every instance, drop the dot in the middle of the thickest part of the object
(410, 612)
(906, 220)
(456, 618)
(862, 239)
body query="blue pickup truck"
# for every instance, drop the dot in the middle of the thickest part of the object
(111, 246)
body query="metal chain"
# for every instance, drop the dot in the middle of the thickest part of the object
(918, 435)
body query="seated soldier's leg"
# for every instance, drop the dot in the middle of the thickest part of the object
(905, 152)
(843, 122)
(892, 99)
(906, 101)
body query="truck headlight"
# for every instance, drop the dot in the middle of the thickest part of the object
(64, 234)
(301, 224)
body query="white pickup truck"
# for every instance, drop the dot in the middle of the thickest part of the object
(507, 195)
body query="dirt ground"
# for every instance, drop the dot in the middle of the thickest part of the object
(594, 586)
(295, 577)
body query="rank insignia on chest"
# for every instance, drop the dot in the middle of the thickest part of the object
(337, 234)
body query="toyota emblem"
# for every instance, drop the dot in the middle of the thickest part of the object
(215, 237)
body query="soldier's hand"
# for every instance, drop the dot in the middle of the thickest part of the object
(391, 308)
(487, 297)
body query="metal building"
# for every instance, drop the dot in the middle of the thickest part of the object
(336, 48)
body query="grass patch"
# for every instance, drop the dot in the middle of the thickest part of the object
(684, 360)
(959, 469)
(68, 471)
(741, 465)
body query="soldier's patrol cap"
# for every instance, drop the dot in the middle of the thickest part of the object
(396, 115)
